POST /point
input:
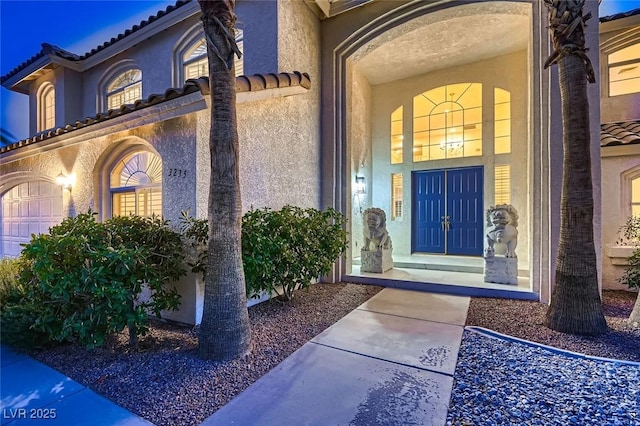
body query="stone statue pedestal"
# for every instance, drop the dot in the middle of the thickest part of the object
(501, 270)
(378, 261)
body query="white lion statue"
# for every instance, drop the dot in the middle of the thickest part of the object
(375, 229)
(502, 222)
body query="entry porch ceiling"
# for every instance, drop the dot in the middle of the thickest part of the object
(445, 39)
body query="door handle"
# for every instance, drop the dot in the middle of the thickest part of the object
(446, 224)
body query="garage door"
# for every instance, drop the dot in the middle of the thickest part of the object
(28, 208)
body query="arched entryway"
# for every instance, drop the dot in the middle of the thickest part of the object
(385, 136)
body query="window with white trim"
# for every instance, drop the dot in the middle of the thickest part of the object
(396, 135)
(624, 71)
(126, 88)
(195, 63)
(136, 185)
(447, 122)
(635, 196)
(47, 107)
(396, 196)
(502, 182)
(502, 120)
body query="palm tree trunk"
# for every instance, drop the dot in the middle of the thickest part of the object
(575, 301)
(224, 331)
(634, 318)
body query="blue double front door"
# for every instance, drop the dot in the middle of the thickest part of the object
(448, 211)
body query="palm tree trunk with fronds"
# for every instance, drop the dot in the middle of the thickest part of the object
(575, 306)
(224, 330)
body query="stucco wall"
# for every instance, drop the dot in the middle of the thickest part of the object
(620, 108)
(491, 73)
(616, 163)
(259, 21)
(90, 159)
(279, 137)
(359, 137)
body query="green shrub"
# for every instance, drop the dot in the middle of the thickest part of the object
(285, 248)
(17, 311)
(9, 269)
(196, 235)
(289, 248)
(631, 275)
(629, 233)
(83, 281)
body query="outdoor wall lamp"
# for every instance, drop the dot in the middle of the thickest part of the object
(361, 185)
(64, 181)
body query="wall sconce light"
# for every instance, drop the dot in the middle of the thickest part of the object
(361, 185)
(64, 181)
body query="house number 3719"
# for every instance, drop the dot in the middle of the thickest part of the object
(179, 173)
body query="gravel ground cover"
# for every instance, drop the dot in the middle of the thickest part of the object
(496, 381)
(502, 382)
(166, 383)
(525, 319)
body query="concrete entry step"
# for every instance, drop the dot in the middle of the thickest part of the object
(469, 264)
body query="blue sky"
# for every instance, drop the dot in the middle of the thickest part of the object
(79, 26)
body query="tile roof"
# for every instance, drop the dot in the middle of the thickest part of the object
(55, 50)
(620, 15)
(252, 83)
(623, 133)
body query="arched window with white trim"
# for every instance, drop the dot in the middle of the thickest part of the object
(635, 197)
(447, 122)
(136, 185)
(624, 70)
(194, 58)
(125, 88)
(46, 107)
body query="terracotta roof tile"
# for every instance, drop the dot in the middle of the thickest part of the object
(620, 15)
(55, 50)
(252, 83)
(623, 133)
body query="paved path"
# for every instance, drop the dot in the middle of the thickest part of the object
(391, 361)
(32, 393)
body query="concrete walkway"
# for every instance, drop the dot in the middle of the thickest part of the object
(391, 361)
(32, 393)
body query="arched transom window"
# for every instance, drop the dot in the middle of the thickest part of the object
(195, 61)
(447, 122)
(136, 185)
(126, 88)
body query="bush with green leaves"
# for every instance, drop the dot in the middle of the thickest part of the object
(289, 248)
(631, 275)
(281, 249)
(196, 235)
(17, 311)
(9, 270)
(84, 280)
(629, 233)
